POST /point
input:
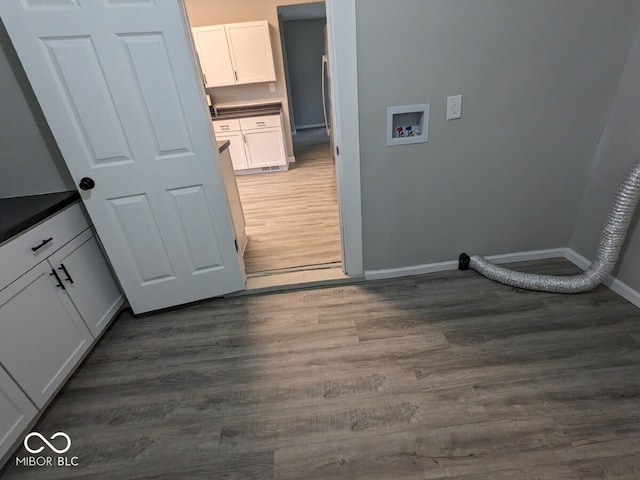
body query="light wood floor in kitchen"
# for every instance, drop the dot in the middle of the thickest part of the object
(446, 376)
(292, 217)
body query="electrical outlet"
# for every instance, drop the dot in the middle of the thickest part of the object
(454, 107)
(272, 87)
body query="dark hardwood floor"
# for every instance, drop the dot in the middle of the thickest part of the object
(440, 376)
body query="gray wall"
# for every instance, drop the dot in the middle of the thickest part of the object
(304, 40)
(538, 80)
(618, 151)
(30, 162)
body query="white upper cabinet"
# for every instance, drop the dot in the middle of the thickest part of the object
(235, 53)
(251, 52)
(213, 52)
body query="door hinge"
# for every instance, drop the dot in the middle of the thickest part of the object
(236, 242)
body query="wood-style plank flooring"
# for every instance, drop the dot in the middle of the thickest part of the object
(292, 217)
(440, 376)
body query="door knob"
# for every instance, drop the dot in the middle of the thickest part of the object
(86, 183)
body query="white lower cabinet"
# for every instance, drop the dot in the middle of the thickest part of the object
(43, 336)
(88, 281)
(256, 143)
(236, 149)
(50, 314)
(265, 147)
(16, 412)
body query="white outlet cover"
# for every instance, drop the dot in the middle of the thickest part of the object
(454, 107)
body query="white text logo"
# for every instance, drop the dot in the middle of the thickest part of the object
(47, 443)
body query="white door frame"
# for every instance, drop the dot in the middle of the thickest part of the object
(341, 25)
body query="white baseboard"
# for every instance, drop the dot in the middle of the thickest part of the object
(292, 159)
(453, 264)
(410, 270)
(621, 288)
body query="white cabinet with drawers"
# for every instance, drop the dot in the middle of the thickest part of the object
(256, 143)
(235, 53)
(57, 294)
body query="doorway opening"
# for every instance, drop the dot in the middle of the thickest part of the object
(291, 215)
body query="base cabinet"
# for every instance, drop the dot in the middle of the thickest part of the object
(16, 413)
(265, 147)
(88, 281)
(51, 314)
(256, 143)
(43, 336)
(236, 149)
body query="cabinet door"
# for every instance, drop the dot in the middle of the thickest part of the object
(213, 52)
(236, 149)
(16, 412)
(251, 52)
(265, 147)
(42, 337)
(88, 281)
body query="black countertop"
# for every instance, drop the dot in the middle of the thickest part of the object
(20, 213)
(225, 113)
(223, 145)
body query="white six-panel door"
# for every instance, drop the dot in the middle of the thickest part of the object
(118, 83)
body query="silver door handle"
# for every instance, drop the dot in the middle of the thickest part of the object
(324, 95)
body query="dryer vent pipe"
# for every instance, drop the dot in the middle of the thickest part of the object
(613, 235)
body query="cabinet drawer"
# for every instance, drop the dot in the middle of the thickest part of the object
(17, 255)
(230, 125)
(266, 121)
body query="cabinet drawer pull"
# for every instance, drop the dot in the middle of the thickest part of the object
(224, 127)
(64, 269)
(261, 124)
(44, 242)
(55, 274)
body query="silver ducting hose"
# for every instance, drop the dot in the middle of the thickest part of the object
(613, 236)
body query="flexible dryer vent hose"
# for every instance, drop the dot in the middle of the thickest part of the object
(613, 236)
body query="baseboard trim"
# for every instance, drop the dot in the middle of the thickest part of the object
(453, 264)
(292, 159)
(621, 288)
(307, 127)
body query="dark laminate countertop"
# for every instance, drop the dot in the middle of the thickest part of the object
(223, 145)
(225, 113)
(20, 213)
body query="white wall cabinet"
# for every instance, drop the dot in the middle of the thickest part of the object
(16, 412)
(235, 54)
(256, 143)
